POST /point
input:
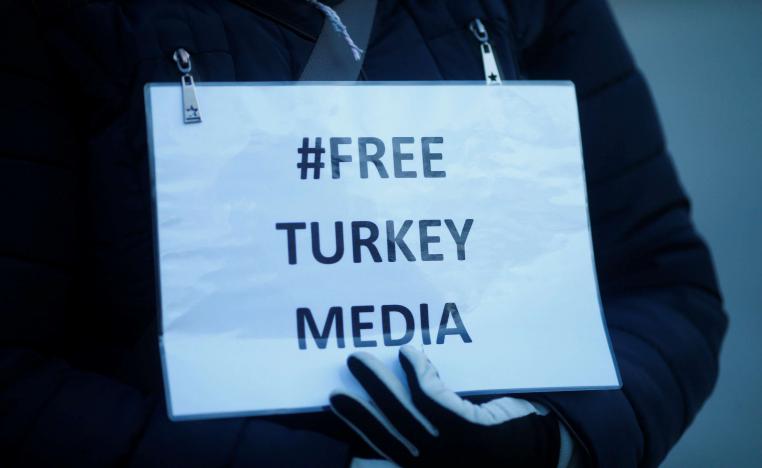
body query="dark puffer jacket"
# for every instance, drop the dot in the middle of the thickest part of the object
(79, 380)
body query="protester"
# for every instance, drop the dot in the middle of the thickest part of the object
(80, 381)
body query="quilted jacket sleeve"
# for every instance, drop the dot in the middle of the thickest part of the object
(659, 292)
(51, 413)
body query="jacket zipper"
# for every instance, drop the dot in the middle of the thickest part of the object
(191, 111)
(491, 69)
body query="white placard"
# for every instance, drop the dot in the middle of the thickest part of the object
(479, 227)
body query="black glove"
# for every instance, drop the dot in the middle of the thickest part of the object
(430, 425)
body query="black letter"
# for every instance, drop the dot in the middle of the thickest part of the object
(387, 325)
(459, 329)
(337, 158)
(392, 239)
(362, 142)
(321, 339)
(425, 324)
(315, 228)
(460, 238)
(428, 156)
(358, 242)
(426, 239)
(357, 325)
(399, 156)
(290, 229)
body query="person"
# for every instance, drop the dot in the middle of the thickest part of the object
(80, 381)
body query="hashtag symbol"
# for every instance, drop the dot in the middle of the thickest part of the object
(306, 150)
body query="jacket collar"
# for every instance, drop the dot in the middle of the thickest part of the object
(297, 15)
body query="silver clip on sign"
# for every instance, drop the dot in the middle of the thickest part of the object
(191, 111)
(491, 70)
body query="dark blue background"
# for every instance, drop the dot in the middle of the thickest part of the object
(704, 63)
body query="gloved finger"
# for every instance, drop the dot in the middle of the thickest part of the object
(392, 398)
(431, 395)
(504, 409)
(371, 425)
(439, 404)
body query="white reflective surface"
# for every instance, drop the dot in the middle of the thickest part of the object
(526, 291)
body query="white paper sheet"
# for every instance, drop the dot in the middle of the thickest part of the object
(525, 288)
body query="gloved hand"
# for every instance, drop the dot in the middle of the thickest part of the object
(430, 425)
